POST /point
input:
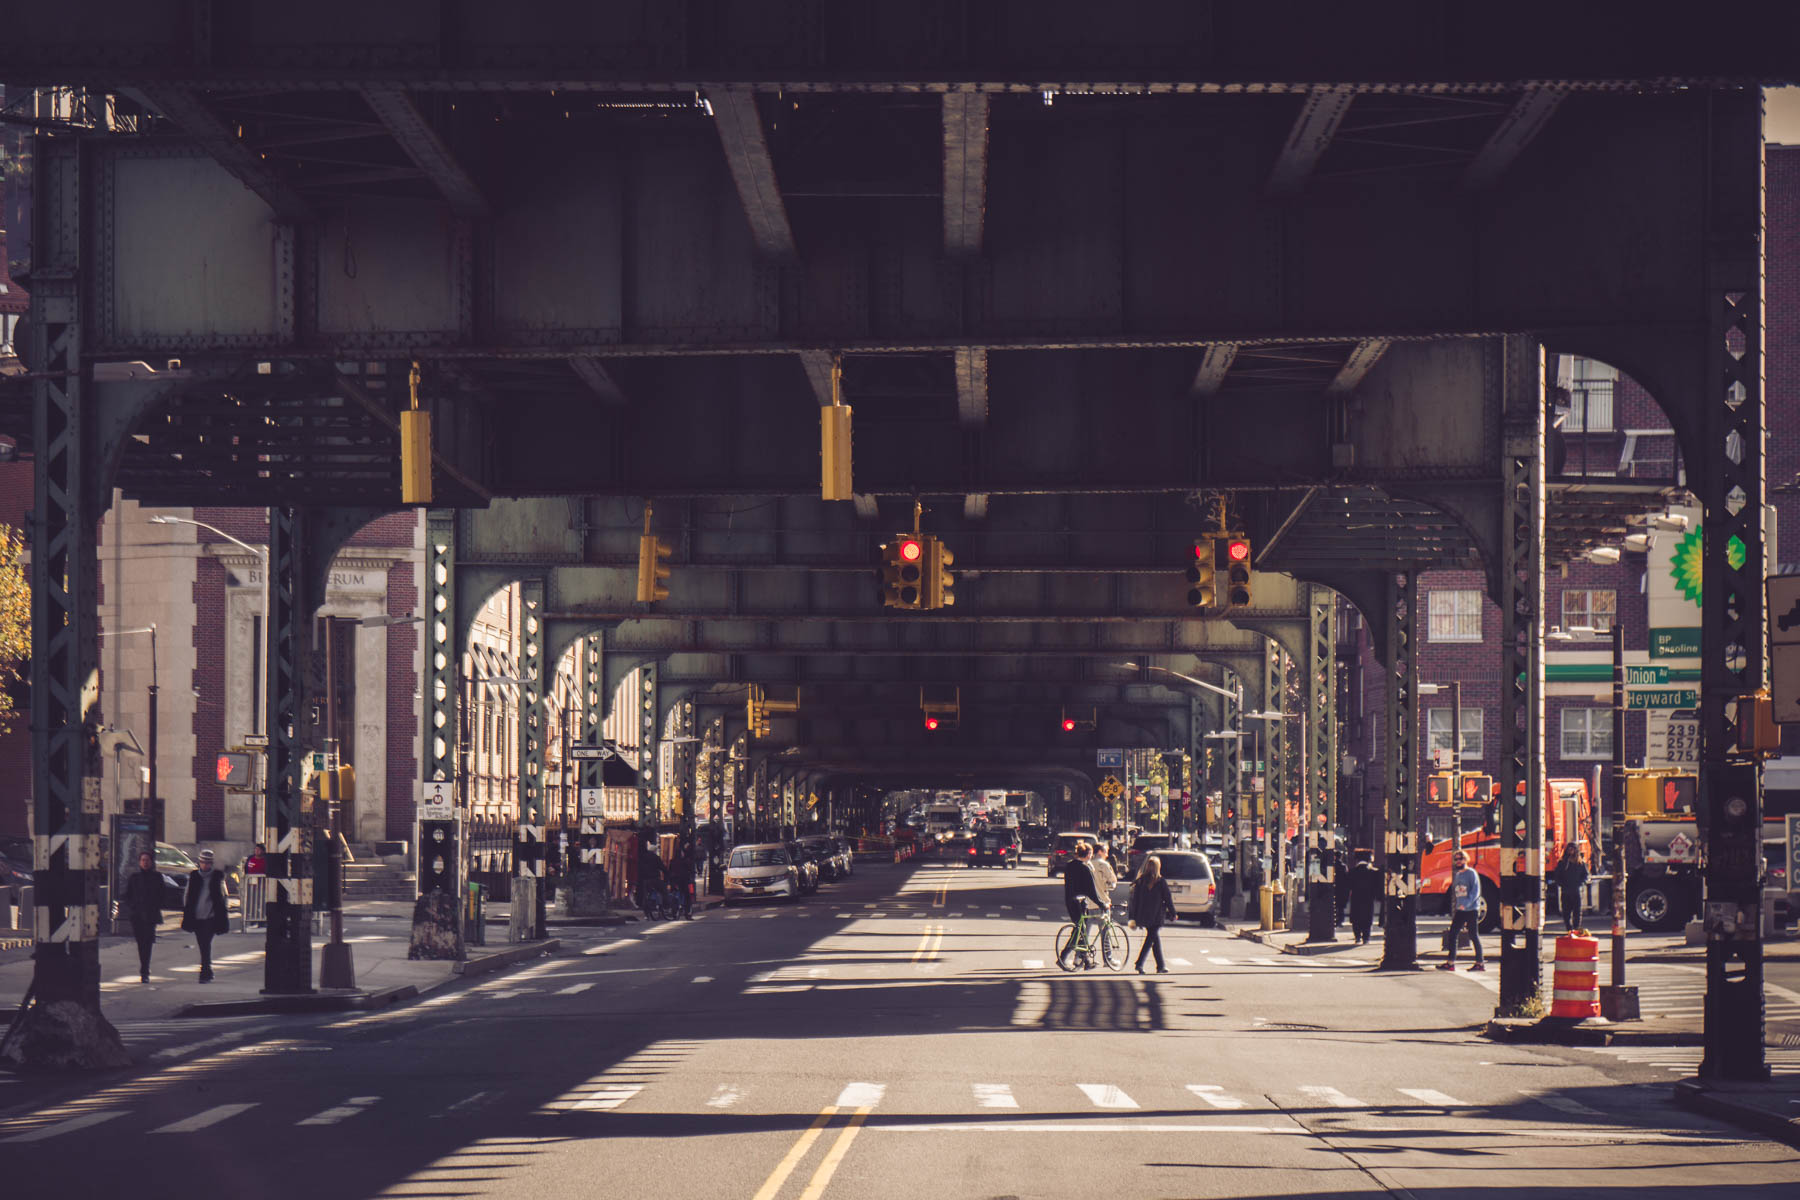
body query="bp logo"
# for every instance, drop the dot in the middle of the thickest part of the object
(1685, 563)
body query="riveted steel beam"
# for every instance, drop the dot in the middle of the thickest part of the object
(188, 110)
(965, 171)
(1320, 801)
(1321, 111)
(395, 107)
(1400, 929)
(752, 168)
(1527, 118)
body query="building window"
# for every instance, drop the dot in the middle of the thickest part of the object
(1587, 732)
(1591, 397)
(1455, 615)
(1592, 607)
(1439, 723)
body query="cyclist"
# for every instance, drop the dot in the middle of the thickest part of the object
(650, 879)
(1078, 883)
(1106, 882)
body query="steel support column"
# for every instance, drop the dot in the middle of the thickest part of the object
(590, 771)
(440, 851)
(649, 735)
(528, 841)
(287, 961)
(1197, 779)
(64, 1027)
(1733, 633)
(1231, 766)
(1275, 781)
(1400, 927)
(1321, 764)
(1521, 803)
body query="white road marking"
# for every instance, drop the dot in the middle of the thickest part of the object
(465, 1102)
(703, 979)
(1105, 1095)
(1034, 1003)
(861, 1095)
(1437, 1099)
(994, 1095)
(236, 1035)
(840, 916)
(724, 1096)
(1220, 962)
(574, 989)
(1032, 964)
(84, 1121)
(609, 947)
(1180, 962)
(210, 1117)
(1574, 1108)
(1331, 1097)
(605, 1099)
(348, 1108)
(1215, 1095)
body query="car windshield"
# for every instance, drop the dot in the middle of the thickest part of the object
(169, 856)
(1184, 866)
(759, 856)
(1151, 841)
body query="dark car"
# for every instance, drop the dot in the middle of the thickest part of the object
(995, 847)
(1146, 843)
(1063, 849)
(1034, 837)
(808, 864)
(823, 852)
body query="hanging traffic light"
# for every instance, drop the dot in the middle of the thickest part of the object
(1237, 570)
(931, 723)
(1068, 724)
(903, 572)
(940, 584)
(415, 447)
(1203, 576)
(652, 550)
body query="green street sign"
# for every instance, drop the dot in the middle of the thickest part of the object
(1670, 698)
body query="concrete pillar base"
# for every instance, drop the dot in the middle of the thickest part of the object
(584, 894)
(65, 1035)
(524, 909)
(436, 930)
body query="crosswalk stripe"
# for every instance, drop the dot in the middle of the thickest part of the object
(1574, 1108)
(724, 1096)
(1331, 1097)
(1032, 964)
(205, 1120)
(1427, 1096)
(1105, 1095)
(347, 1109)
(1180, 962)
(1215, 1095)
(84, 1121)
(606, 1098)
(994, 1095)
(1220, 962)
(861, 1095)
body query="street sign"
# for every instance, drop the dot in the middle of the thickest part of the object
(257, 740)
(1784, 682)
(1667, 698)
(593, 802)
(588, 753)
(1111, 788)
(437, 801)
(1113, 760)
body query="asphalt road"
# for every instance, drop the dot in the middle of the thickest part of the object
(904, 1033)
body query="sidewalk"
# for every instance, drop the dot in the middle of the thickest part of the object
(379, 933)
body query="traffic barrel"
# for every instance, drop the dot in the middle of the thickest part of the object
(1576, 981)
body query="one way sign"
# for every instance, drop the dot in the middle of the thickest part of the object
(1782, 597)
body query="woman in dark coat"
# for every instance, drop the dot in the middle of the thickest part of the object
(203, 911)
(143, 906)
(1150, 902)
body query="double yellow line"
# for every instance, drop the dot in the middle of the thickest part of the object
(930, 942)
(815, 1187)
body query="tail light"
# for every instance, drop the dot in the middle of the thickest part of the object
(971, 849)
(1212, 889)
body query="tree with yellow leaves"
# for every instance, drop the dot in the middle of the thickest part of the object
(15, 620)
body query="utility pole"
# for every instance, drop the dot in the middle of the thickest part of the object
(1618, 1002)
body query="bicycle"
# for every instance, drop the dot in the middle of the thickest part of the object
(1075, 943)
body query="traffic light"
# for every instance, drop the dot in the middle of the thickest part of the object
(1203, 576)
(415, 448)
(756, 716)
(931, 723)
(1068, 724)
(1679, 793)
(1237, 570)
(233, 769)
(1440, 790)
(652, 570)
(1476, 791)
(903, 572)
(940, 584)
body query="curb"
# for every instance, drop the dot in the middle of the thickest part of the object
(1548, 1031)
(1698, 1097)
(311, 1002)
(505, 958)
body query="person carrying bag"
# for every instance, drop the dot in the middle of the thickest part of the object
(1150, 903)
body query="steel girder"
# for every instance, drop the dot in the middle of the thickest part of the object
(1731, 465)
(1521, 805)
(1320, 733)
(1405, 821)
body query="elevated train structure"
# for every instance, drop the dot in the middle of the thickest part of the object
(1094, 282)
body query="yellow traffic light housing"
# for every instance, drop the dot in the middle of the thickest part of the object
(903, 572)
(835, 475)
(652, 568)
(940, 584)
(1203, 576)
(415, 448)
(1236, 553)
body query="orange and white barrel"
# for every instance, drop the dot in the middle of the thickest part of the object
(1576, 981)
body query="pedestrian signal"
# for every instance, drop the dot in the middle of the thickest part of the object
(233, 769)
(1440, 790)
(1475, 791)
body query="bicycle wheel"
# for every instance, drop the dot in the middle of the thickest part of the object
(1067, 954)
(1118, 947)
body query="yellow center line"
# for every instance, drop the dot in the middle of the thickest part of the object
(772, 1185)
(834, 1156)
(924, 944)
(943, 893)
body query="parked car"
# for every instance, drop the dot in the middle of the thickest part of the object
(823, 851)
(1191, 884)
(760, 871)
(847, 851)
(1147, 843)
(995, 847)
(806, 867)
(1063, 849)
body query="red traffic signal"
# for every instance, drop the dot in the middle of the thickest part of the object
(1237, 550)
(911, 550)
(931, 722)
(1068, 724)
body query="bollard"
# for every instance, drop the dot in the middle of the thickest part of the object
(1265, 906)
(1576, 981)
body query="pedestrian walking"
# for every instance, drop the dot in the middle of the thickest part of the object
(143, 907)
(681, 881)
(1364, 886)
(1465, 910)
(1150, 903)
(203, 911)
(1571, 877)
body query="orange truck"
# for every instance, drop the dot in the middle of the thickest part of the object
(1568, 816)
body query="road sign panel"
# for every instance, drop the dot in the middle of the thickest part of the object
(1110, 759)
(593, 802)
(1784, 682)
(1783, 600)
(588, 753)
